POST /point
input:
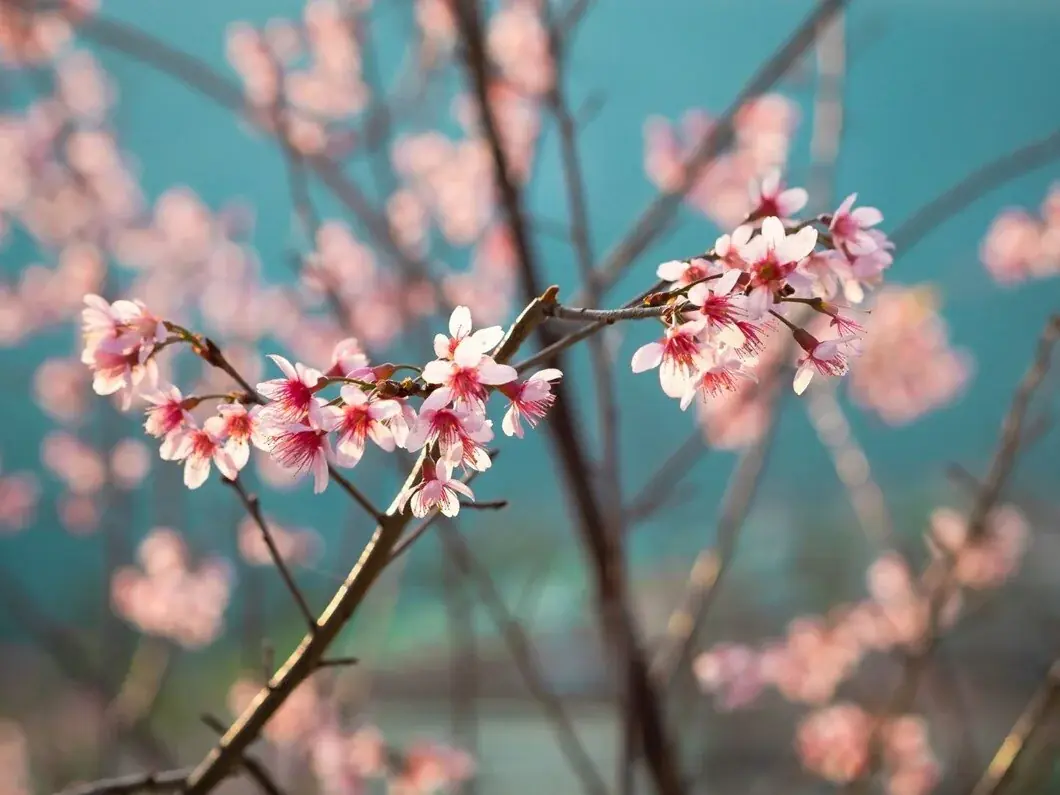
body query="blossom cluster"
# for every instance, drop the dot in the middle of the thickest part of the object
(733, 294)
(819, 653)
(306, 433)
(836, 743)
(1019, 246)
(308, 727)
(170, 597)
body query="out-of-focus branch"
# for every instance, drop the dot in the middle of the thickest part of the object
(75, 662)
(525, 658)
(168, 781)
(604, 548)
(1042, 704)
(711, 565)
(940, 573)
(984, 179)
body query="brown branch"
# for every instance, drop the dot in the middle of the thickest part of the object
(305, 659)
(168, 781)
(604, 547)
(1044, 702)
(525, 658)
(253, 507)
(254, 769)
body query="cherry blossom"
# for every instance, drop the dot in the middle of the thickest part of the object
(772, 257)
(677, 355)
(167, 419)
(291, 395)
(431, 767)
(19, 492)
(828, 357)
(240, 428)
(719, 372)
(200, 447)
(833, 742)
(295, 545)
(771, 197)
(721, 308)
(303, 446)
(681, 273)
(363, 417)
(466, 377)
(436, 489)
(529, 400)
(458, 431)
(484, 340)
(850, 228)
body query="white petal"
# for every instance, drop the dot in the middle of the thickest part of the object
(803, 376)
(548, 374)
(437, 371)
(773, 231)
(724, 285)
(510, 424)
(460, 322)
(238, 451)
(798, 245)
(225, 465)
(742, 235)
(792, 200)
(441, 346)
(352, 395)
(320, 472)
(488, 338)
(467, 353)
(674, 380)
(671, 271)
(196, 470)
(647, 357)
(449, 504)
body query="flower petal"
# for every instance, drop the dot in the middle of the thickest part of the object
(647, 357)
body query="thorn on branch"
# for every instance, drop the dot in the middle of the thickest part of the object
(491, 505)
(338, 662)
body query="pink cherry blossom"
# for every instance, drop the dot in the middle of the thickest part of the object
(363, 417)
(19, 493)
(721, 308)
(529, 400)
(772, 257)
(850, 227)
(346, 357)
(200, 447)
(294, 544)
(907, 365)
(431, 767)
(130, 462)
(291, 395)
(829, 357)
(719, 372)
(484, 340)
(770, 197)
(119, 339)
(14, 759)
(985, 562)
(167, 419)
(677, 355)
(833, 742)
(460, 433)
(732, 673)
(681, 273)
(241, 428)
(304, 447)
(466, 377)
(436, 489)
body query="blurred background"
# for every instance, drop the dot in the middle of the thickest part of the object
(141, 157)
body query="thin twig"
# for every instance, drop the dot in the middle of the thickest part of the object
(253, 506)
(168, 781)
(338, 662)
(255, 770)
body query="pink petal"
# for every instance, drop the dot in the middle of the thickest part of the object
(803, 376)
(353, 395)
(773, 231)
(467, 353)
(798, 245)
(493, 374)
(867, 216)
(441, 346)
(792, 200)
(548, 374)
(488, 338)
(320, 472)
(285, 367)
(671, 271)
(724, 285)
(510, 424)
(196, 470)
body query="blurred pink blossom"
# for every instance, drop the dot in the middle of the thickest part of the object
(518, 43)
(296, 545)
(77, 465)
(130, 461)
(80, 514)
(987, 561)
(14, 760)
(833, 742)
(1019, 246)
(907, 367)
(19, 493)
(60, 387)
(169, 597)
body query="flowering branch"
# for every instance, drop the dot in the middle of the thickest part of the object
(253, 506)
